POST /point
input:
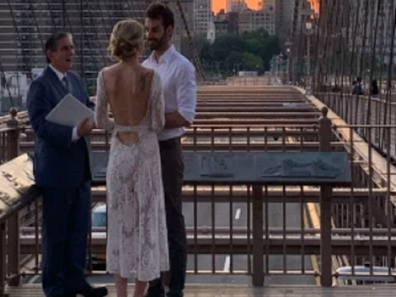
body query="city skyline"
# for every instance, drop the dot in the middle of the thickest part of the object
(221, 4)
(254, 4)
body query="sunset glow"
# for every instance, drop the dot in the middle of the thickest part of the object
(254, 4)
(315, 5)
(221, 4)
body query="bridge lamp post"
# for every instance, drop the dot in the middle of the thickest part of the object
(308, 27)
(343, 42)
(288, 45)
(273, 68)
(281, 73)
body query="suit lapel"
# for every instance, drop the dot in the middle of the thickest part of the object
(74, 87)
(56, 83)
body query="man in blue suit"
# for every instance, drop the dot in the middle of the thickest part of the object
(62, 171)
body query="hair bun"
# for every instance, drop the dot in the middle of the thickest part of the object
(123, 48)
(125, 39)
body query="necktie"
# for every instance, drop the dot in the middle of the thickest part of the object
(65, 83)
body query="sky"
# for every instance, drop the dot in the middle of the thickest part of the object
(219, 4)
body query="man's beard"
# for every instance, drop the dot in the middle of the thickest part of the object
(158, 44)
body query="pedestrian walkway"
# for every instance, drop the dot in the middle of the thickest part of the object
(247, 291)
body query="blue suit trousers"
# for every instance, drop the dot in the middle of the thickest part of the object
(66, 214)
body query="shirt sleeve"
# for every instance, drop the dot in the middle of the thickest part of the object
(186, 92)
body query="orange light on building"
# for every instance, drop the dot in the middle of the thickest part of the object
(314, 5)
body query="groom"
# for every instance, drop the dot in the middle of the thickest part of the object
(61, 170)
(179, 84)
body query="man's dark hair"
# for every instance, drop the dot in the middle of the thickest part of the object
(160, 11)
(52, 41)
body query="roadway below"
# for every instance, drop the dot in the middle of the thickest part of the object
(239, 218)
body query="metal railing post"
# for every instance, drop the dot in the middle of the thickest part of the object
(3, 263)
(14, 249)
(13, 136)
(258, 232)
(325, 205)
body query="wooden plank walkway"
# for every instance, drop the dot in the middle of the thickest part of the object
(247, 291)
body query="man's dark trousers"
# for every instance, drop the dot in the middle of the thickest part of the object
(65, 229)
(172, 176)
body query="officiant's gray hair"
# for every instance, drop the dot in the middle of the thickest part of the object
(52, 42)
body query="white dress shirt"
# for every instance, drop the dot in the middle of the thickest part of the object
(61, 76)
(179, 85)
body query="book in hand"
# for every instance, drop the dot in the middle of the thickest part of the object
(70, 112)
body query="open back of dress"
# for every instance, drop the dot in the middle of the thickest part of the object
(137, 235)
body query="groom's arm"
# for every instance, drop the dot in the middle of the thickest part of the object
(186, 93)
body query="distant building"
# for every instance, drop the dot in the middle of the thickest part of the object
(236, 5)
(221, 27)
(202, 16)
(221, 15)
(233, 22)
(284, 16)
(252, 20)
(267, 4)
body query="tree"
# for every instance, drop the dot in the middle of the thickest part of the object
(232, 60)
(270, 48)
(225, 44)
(206, 53)
(252, 62)
(248, 51)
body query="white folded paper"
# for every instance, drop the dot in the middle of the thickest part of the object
(70, 112)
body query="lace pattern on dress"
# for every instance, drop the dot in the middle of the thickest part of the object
(137, 234)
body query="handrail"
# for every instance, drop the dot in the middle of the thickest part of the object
(16, 175)
(17, 191)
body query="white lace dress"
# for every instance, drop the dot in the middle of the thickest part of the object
(137, 243)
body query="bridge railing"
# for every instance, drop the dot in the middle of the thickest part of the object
(364, 110)
(9, 143)
(10, 132)
(17, 196)
(249, 246)
(267, 229)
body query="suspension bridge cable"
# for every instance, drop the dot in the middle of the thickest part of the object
(196, 59)
(4, 80)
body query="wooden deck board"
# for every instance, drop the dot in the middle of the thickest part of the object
(247, 291)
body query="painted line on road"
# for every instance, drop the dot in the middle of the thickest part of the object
(237, 214)
(227, 263)
(34, 279)
(313, 215)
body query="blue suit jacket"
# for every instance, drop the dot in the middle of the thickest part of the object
(58, 162)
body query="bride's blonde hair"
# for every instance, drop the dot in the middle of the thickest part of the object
(126, 40)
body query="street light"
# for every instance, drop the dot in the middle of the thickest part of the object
(288, 45)
(308, 27)
(281, 74)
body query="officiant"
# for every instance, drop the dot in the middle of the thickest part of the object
(61, 170)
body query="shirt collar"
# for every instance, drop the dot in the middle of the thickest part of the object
(59, 74)
(165, 57)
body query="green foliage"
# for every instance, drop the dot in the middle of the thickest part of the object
(252, 61)
(249, 51)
